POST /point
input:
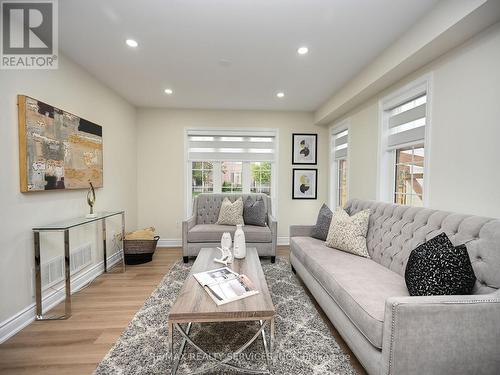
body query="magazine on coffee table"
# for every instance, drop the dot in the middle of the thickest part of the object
(224, 285)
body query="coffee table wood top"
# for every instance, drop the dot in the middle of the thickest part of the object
(195, 305)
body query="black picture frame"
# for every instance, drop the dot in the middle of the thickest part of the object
(304, 160)
(296, 192)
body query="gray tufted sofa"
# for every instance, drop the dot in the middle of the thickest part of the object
(200, 230)
(368, 302)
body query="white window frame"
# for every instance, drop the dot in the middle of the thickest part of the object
(333, 186)
(217, 171)
(387, 158)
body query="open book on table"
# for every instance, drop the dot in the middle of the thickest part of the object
(225, 285)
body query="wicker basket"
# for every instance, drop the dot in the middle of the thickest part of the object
(139, 251)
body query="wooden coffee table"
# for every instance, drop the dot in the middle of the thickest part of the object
(194, 305)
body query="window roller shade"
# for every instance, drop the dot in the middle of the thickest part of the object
(407, 116)
(231, 145)
(407, 126)
(340, 144)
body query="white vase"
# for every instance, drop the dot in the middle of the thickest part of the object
(225, 241)
(240, 248)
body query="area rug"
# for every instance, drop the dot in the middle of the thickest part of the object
(303, 345)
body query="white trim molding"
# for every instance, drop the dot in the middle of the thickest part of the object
(332, 181)
(23, 318)
(283, 241)
(219, 157)
(386, 154)
(170, 242)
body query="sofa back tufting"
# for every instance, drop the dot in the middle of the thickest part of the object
(206, 206)
(395, 230)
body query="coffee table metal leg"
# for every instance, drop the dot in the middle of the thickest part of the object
(272, 336)
(266, 349)
(175, 364)
(170, 339)
(223, 362)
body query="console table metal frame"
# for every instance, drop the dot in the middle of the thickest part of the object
(65, 227)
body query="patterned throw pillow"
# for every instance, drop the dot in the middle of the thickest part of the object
(231, 213)
(348, 233)
(438, 268)
(320, 230)
(254, 213)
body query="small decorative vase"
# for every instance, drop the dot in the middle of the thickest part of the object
(226, 241)
(240, 248)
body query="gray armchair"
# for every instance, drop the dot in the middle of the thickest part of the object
(200, 230)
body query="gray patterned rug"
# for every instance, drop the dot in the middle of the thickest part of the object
(304, 344)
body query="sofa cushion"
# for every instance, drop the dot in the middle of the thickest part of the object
(358, 285)
(213, 233)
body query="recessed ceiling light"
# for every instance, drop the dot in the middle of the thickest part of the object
(131, 43)
(280, 94)
(169, 91)
(302, 50)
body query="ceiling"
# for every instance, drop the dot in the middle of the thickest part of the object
(231, 54)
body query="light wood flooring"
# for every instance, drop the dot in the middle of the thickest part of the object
(100, 313)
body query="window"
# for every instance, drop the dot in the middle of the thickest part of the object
(339, 169)
(260, 181)
(231, 177)
(342, 182)
(202, 177)
(230, 161)
(404, 145)
(409, 176)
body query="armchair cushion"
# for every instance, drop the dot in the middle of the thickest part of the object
(231, 213)
(254, 212)
(213, 232)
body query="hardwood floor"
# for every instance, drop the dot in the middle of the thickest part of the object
(100, 313)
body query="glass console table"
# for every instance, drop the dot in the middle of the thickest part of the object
(65, 226)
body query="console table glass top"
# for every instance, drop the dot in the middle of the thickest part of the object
(77, 221)
(65, 226)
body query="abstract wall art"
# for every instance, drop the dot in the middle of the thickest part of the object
(304, 183)
(57, 150)
(304, 148)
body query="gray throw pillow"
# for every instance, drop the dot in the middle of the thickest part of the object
(254, 213)
(320, 230)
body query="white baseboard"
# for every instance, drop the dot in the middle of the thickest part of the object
(169, 242)
(283, 241)
(14, 324)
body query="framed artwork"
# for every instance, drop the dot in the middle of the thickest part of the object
(304, 183)
(304, 148)
(57, 150)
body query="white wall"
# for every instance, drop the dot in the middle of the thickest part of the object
(72, 89)
(161, 167)
(464, 174)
